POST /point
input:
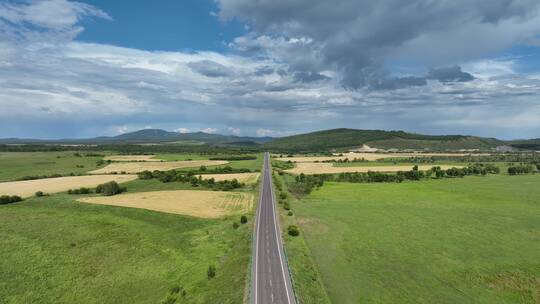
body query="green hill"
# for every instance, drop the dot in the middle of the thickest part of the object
(351, 138)
(527, 144)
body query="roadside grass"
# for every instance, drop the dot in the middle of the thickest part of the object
(470, 240)
(15, 165)
(306, 277)
(55, 250)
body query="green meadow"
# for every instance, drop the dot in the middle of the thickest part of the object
(468, 240)
(55, 250)
(15, 165)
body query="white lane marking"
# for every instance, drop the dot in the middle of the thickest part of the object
(257, 243)
(277, 241)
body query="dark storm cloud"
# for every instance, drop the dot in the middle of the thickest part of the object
(356, 37)
(210, 68)
(450, 74)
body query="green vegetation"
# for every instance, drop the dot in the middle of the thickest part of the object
(55, 250)
(344, 138)
(82, 190)
(305, 275)
(18, 165)
(9, 199)
(521, 169)
(472, 240)
(191, 178)
(110, 188)
(292, 230)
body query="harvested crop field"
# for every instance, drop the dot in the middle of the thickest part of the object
(135, 167)
(204, 204)
(366, 156)
(127, 158)
(328, 168)
(247, 178)
(59, 184)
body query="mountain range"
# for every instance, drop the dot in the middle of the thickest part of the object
(334, 139)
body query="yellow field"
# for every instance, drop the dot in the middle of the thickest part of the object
(366, 156)
(135, 167)
(247, 178)
(205, 204)
(328, 168)
(59, 184)
(132, 158)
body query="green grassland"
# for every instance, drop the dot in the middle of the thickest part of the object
(469, 240)
(55, 250)
(252, 164)
(15, 165)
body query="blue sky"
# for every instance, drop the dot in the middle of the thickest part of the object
(269, 67)
(167, 25)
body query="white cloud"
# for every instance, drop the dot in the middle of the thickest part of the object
(51, 14)
(96, 89)
(234, 131)
(209, 130)
(182, 130)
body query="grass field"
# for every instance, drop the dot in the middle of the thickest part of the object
(253, 165)
(205, 204)
(59, 184)
(55, 250)
(469, 240)
(329, 168)
(247, 178)
(127, 158)
(135, 167)
(14, 165)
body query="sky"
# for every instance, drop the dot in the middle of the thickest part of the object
(269, 67)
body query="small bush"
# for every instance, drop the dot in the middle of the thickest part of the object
(110, 188)
(243, 219)
(39, 193)
(290, 213)
(6, 199)
(211, 272)
(235, 225)
(82, 190)
(292, 230)
(286, 206)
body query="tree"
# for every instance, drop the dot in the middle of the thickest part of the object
(243, 219)
(110, 188)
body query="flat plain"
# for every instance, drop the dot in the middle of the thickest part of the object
(15, 165)
(248, 178)
(330, 168)
(59, 184)
(469, 240)
(365, 156)
(127, 158)
(135, 167)
(198, 203)
(56, 250)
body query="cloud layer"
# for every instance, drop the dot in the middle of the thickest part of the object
(304, 67)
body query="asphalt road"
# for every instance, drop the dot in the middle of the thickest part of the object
(270, 280)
